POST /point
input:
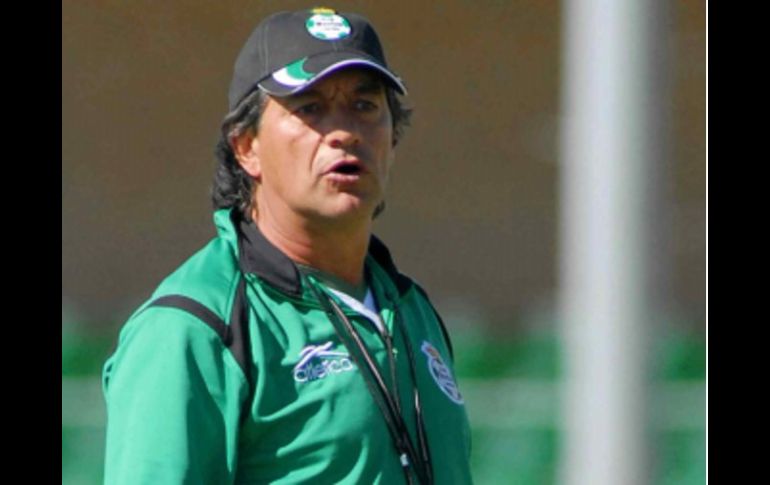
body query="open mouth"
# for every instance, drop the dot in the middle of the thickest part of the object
(347, 168)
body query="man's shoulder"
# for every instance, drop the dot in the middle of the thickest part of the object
(381, 255)
(209, 276)
(412, 294)
(209, 280)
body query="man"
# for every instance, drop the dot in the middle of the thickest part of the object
(290, 349)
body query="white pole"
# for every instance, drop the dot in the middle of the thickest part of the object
(610, 150)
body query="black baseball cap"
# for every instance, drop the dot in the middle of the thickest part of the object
(289, 51)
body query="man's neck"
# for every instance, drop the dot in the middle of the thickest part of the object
(340, 250)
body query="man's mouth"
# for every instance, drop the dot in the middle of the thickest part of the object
(346, 167)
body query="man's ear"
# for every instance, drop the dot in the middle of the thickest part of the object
(245, 148)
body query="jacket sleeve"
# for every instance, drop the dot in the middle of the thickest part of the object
(174, 395)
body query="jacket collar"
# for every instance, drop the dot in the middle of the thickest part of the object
(259, 256)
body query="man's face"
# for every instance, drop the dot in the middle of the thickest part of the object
(325, 154)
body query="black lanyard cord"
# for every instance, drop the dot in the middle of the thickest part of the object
(379, 390)
(420, 422)
(408, 456)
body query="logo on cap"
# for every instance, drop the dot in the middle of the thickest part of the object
(325, 24)
(294, 74)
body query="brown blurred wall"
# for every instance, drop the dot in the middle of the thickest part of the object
(472, 206)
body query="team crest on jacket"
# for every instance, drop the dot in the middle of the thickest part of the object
(441, 373)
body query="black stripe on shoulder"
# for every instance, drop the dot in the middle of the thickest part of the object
(199, 310)
(239, 327)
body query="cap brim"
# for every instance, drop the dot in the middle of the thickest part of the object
(288, 81)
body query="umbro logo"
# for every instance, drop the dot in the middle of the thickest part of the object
(320, 361)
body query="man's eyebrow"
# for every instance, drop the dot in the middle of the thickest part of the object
(370, 86)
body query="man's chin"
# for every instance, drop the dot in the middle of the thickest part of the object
(351, 208)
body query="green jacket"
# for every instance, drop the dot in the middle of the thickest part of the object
(180, 408)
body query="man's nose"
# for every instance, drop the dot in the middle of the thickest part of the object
(343, 130)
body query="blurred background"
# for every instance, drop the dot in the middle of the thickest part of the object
(473, 205)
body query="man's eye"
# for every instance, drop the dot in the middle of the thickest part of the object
(308, 109)
(365, 105)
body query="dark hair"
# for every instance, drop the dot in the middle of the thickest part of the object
(232, 186)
